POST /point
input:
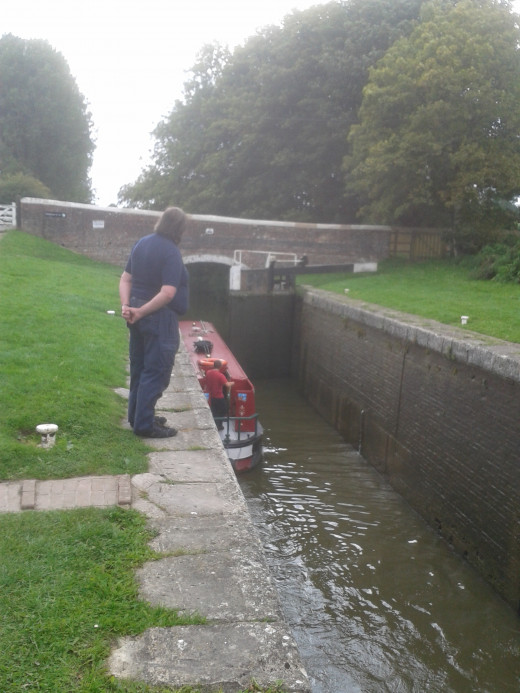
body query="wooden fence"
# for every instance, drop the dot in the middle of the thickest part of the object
(418, 244)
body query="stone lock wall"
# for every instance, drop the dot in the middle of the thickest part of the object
(435, 409)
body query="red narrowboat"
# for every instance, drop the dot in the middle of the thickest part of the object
(242, 433)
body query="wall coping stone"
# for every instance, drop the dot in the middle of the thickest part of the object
(78, 205)
(461, 345)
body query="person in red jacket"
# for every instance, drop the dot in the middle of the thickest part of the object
(216, 386)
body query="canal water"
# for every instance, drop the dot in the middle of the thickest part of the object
(375, 600)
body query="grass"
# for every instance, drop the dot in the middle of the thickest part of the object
(61, 356)
(441, 290)
(67, 578)
(68, 590)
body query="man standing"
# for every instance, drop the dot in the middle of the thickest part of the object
(154, 291)
(216, 383)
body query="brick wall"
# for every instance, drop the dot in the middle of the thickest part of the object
(108, 233)
(435, 409)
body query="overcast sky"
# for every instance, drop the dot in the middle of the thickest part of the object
(130, 61)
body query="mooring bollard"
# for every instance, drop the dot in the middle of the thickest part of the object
(48, 434)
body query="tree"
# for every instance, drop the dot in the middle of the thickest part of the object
(262, 133)
(45, 128)
(19, 185)
(438, 137)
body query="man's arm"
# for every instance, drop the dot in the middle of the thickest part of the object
(132, 315)
(125, 288)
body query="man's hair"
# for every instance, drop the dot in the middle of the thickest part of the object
(217, 364)
(172, 224)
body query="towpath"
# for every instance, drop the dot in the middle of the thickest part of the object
(213, 561)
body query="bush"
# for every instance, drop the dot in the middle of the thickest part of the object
(499, 261)
(13, 186)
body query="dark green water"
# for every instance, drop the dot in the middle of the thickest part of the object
(376, 601)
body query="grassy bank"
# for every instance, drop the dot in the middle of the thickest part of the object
(61, 357)
(440, 290)
(67, 591)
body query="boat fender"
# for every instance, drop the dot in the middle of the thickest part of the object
(208, 364)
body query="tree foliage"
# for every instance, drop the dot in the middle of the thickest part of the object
(45, 127)
(499, 261)
(263, 132)
(438, 136)
(13, 186)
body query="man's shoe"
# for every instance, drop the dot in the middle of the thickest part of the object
(158, 432)
(160, 420)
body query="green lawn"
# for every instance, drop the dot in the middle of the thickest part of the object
(61, 357)
(440, 290)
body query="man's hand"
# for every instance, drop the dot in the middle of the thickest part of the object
(131, 315)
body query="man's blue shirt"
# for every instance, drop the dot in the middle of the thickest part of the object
(154, 262)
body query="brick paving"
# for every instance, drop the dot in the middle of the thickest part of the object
(64, 494)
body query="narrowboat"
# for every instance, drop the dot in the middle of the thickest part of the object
(242, 432)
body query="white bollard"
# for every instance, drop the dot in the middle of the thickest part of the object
(464, 319)
(48, 434)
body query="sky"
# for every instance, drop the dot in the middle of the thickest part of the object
(131, 59)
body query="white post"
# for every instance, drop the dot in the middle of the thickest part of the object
(234, 277)
(48, 434)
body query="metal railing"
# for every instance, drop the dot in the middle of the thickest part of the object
(270, 256)
(240, 419)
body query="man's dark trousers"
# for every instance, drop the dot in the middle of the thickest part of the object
(154, 341)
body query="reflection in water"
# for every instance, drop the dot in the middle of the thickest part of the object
(376, 601)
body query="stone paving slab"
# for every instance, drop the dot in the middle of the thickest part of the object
(10, 496)
(225, 656)
(238, 582)
(187, 466)
(184, 383)
(173, 402)
(181, 499)
(188, 440)
(201, 533)
(194, 418)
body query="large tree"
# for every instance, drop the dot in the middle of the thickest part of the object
(438, 142)
(263, 132)
(45, 127)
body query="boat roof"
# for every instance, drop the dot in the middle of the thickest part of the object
(193, 331)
